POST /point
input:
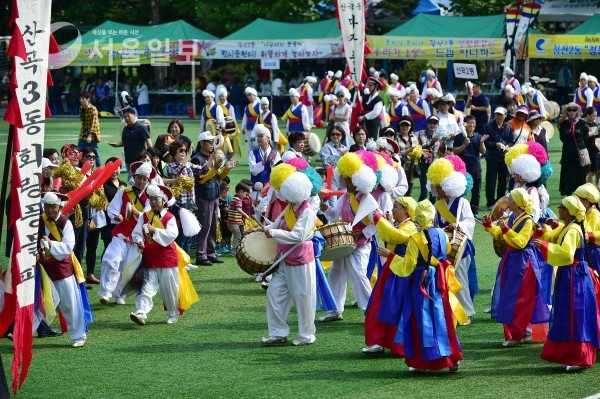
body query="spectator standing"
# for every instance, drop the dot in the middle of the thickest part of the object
(479, 106)
(591, 119)
(469, 148)
(135, 138)
(143, 98)
(427, 140)
(212, 170)
(89, 136)
(495, 136)
(574, 163)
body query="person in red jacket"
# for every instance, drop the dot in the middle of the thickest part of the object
(155, 234)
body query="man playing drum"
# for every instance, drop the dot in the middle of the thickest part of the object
(294, 281)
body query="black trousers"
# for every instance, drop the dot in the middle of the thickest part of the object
(496, 178)
(475, 172)
(93, 238)
(372, 128)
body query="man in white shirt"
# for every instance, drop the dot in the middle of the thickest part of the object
(143, 99)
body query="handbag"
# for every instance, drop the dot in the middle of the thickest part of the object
(583, 153)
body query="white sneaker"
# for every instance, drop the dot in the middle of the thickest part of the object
(509, 343)
(138, 318)
(191, 267)
(78, 343)
(573, 368)
(104, 300)
(120, 301)
(172, 320)
(331, 317)
(302, 341)
(273, 340)
(371, 349)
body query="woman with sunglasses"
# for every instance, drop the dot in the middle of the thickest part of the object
(178, 175)
(575, 158)
(334, 146)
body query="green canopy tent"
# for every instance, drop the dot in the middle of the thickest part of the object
(113, 43)
(424, 25)
(589, 27)
(264, 29)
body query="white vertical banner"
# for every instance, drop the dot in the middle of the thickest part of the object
(31, 76)
(351, 14)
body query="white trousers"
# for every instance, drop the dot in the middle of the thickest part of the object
(464, 295)
(295, 285)
(354, 268)
(71, 306)
(165, 280)
(118, 254)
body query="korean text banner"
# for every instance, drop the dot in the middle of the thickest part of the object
(564, 46)
(271, 49)
(408, 47)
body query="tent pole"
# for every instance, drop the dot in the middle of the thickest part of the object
(193, 89)
(117, 87)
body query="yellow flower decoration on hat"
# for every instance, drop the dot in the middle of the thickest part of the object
(515, 151)
(439, 170)
(279, 174)
(589, 192)
(349, 164)
(409, 204)
(522, 199)
(575, 207)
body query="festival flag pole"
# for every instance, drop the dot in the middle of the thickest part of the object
(26, 113)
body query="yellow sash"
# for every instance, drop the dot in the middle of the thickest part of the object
(207, 114)
(415, 107)
(187, 295)
(225, 109)
(55, 233)
(251, 110)
(443, 210)
(47, 298)
(134, 199)
(289, 115)
(289, 216)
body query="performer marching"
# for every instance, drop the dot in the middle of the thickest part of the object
(294, 281)
(417, 108)
(573, 337)
(251, 112)
(155, 234)
(426, 328)
(124, 210)
(359, 180)
(212, 115)
(589, 196)
(57, 241)
(518, 295)
(448, 184)
(386, 301)
(374, 109)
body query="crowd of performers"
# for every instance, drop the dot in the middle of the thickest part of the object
(411, 263)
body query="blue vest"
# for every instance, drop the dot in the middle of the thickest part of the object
(263, 176)
(296, 125)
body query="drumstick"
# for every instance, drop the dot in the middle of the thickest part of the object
(275, 264)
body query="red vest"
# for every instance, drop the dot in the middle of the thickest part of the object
(127, 225)
(303, 253)
(56, 269)
(155, 255)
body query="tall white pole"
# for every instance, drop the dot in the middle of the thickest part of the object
(193, 89)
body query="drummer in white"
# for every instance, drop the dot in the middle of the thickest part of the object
(294, 281)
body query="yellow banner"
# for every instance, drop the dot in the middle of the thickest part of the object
(408, 47)
(564, 46)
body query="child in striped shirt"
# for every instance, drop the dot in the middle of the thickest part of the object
(235, 215)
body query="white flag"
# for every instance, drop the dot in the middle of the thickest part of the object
(353, 26)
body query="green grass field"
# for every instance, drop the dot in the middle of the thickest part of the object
(214, 350)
